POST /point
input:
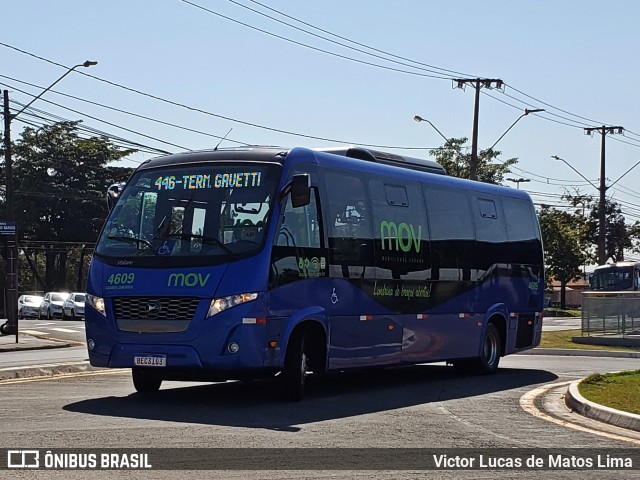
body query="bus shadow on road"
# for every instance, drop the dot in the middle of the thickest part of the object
(257, 404)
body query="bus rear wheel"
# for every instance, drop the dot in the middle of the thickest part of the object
(145, 381)
(489, 358)
(487, 362)
(295, 368)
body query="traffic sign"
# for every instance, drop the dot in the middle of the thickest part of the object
(7, 228)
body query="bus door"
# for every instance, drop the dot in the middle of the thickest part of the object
(298, 259)
(363, 332)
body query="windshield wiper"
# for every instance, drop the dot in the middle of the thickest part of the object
(205, 239)
(124, 238)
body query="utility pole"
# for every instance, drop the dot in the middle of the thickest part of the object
(477, 83)
(12, 243)
(12, 298)
(604, 130)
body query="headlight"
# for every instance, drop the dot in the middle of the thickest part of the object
(97, 303)
(220, 304)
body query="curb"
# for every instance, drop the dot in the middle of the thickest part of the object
(568, 352)
(21, 347)
(46, 370)
(581, 405)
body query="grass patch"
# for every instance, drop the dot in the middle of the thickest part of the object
(615, 390)
(562, 339)
(558, 312)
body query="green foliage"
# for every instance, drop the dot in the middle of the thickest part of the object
(456, 163)
(60, 183)
(618, 234)
(564, 236)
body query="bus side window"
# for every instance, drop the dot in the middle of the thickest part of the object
(349, 225)
(299, 227)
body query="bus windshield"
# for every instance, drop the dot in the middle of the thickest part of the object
(612, 279)
(183, 213)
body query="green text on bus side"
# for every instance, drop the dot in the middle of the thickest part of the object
(400, 237)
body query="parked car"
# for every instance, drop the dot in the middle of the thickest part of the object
(73, 307)
(29, 305)
(52, 305)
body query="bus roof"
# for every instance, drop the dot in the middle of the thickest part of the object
(378, 162)
(624, 263)
(278, 154)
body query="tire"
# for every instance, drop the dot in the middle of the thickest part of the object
(487, 362)
(489, 358)
(4, 329)
(64, 316)
(295, 369)
(145, 381)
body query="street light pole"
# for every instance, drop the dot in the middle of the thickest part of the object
(419, 119)
(518, 181)
(12, 298)
(526, 112)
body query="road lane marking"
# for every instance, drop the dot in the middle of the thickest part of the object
(528, 404)
(64, 330)
(34, 332)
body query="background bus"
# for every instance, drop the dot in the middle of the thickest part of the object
(615, 277)
(268, 262)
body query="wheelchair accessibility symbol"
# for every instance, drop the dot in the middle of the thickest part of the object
(166, 248)
(334, 297)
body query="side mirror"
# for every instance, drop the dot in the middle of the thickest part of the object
(300, 190)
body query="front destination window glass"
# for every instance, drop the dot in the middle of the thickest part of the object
(177, 214)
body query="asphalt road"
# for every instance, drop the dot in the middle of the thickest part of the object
(426, 406)
(67, 330)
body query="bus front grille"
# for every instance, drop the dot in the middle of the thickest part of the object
(155, 308)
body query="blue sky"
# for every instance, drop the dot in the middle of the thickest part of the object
(574, 58)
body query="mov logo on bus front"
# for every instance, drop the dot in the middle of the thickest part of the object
(187, 280)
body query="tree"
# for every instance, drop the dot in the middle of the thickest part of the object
(564, 236)
(456, 163)
(618, 234)
(60, 181)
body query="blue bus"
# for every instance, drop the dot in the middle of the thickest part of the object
(270, 262)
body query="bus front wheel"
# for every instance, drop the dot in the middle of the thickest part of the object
(295, 368)
(145, 381)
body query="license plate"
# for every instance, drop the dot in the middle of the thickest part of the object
(150, 360)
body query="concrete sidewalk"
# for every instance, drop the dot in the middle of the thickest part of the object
(29, 342)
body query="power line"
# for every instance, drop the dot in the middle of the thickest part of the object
(431, 69)
(301, 44)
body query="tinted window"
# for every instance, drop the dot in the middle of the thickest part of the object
(520, 219)
(400, 230)
(349, 225)
(449, 214)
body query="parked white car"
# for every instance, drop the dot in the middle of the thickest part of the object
(73, 307)
(29, 305)
(52, 305)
